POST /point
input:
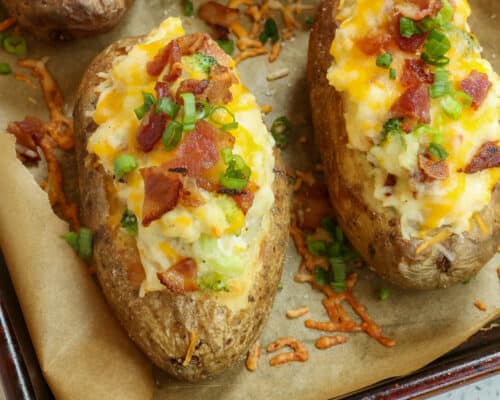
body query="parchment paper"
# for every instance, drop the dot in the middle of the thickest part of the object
(425, 325)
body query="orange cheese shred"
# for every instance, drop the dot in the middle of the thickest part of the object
(440, 237)
(190, 350)
(7, 23)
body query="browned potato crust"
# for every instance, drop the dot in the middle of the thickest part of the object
(66, 19)
(161, 322)
(373, 230)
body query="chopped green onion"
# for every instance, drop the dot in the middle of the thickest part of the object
(213, 281)
(280, 129)
(441, 85)
(123, 164)
(172, 135)
(445, 15)
(384, 60)
(148, 102)
(188, 8)
(167, 106)
(463, 97)
(129, 222)
(439, 62)
(280, 286)
(85, 243)
(427, 24)
(321, 276)
(226, 45)
(407, 28)
(308, 22)
(237, 173)
(391, 128)
(392, 74)
(338, 272)
(436, 46)
(189, 118)
(383, 294)
(15, 45)
(270, 31)
(438, 151)
(335, 249)
(338, 286)
(5, 69)
(329, 225)
(72, 239)
(426, 130)
(451, 106)
(218, 116)
(316, 247)
(204, 111)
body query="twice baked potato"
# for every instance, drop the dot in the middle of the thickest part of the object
(405, 113)
(186, 197)
(66, 19)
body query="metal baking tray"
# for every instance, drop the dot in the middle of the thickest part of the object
(21, 378)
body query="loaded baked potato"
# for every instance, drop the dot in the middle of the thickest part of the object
(188, 204)
(66, 19)
(410, 138)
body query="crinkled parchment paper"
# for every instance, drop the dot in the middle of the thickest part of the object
(83, 354)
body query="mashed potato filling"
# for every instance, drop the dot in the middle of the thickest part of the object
(370, 90)
(217, 235)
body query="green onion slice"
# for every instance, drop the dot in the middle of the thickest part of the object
(129, 222)
(226, 45)
(384, 60)
(188, 8)
(270, 31)
(85, 243)
(172, 135)
(148, 102)
(167, 106)
(237, 173)
(451, 106)
(407, 28)
(392, 74)
(321, 276)
(383, 294)
(72, 239)
(189, 117)
(16, 45)
(316, 247)
(5, 69)
(281, 129)
(438, 151)
(220, 114)
(123, 164)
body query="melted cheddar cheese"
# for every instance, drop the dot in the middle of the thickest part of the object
(186, 231)
(368, 93)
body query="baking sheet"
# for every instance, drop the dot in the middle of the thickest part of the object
(424, 325)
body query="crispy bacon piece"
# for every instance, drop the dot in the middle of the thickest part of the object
(418, 9)
(214, 13)
(194, 86)
(169, 55)
(243, 200)
(161, 192)
(415, 72)
(488, 156)
(25, 132)
(414, 103)
(476, 85)
(431, 168)
(151, 130)
(162, 89)
(203, 43)
(374, 44)
(411, 44)
(180, 277)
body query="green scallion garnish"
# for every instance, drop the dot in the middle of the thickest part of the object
(123, 164)
(438, 151)
(407, 28)
(167, 106)
(5, 69)
(237, 173)
(129, 222)
(16, 45)
(392, 74)
(384, 60)
(189, 117)
(280, 130)
(148, 102)
(383, 294)
(316, 247)
(85, 243)
(188, 8)
(172, 135)
(270, 31)
(226, 45)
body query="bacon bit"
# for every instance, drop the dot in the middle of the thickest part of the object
(440, 237)
(59, 127)
(151, 130)
(253, 356)
(431, 168)
(7, 23)
(221, 79)
(214, 13)
(25, 132)
(488, 156)
(161, 193)
(275, 51)
(480, 305)
(416, 72)
(325, 342)
(281, 73)
(23, 78)
(194, 86)
(419, 9)
(298, 312)
(476, 85)
(414, 103)
(191, 348)
(300, 353)
(169, 56)
(243, 200)
(373, 44)
(162, 90)
(180, 277)
(266, 108)
(411, 44)
(249, 54)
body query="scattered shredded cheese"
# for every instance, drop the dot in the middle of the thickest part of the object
(440, 237)
(190, 350)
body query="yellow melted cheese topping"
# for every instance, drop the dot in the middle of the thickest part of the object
(368, 94)
(182, 232)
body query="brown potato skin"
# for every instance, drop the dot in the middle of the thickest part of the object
(66, 19)
(372, 229)
(160, 322)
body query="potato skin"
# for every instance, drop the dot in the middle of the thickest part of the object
(160, 322)
(372, 229)
(66, 19)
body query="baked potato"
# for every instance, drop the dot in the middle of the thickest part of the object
(66, 19)
(185, 195)
(405, 113)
